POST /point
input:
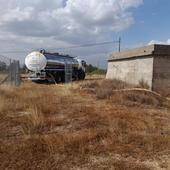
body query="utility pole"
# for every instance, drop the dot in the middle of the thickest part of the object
(119, 44)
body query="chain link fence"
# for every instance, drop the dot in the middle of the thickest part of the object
(9, 71)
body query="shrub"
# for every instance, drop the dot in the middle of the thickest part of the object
(143, 84)
(34, 122)
(143, 98)
(92, 84)
(103, 93)
(104, 89)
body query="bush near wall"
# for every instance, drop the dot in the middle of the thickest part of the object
(90, 69)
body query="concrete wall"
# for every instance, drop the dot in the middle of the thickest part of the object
(161, 74)
(131, 70)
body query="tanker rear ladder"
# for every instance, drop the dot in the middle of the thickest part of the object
(68, 69)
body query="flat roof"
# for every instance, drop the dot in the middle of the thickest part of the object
(150, 50)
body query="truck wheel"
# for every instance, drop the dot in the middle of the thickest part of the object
(81, 75)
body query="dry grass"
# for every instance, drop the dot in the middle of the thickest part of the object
(70, 127)
(3, 75)
(34, 121)
(104, 88)
(143, 84)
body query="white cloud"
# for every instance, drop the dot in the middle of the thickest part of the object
(70, 17)
(167, 42)
(63, 21)
(16, 15)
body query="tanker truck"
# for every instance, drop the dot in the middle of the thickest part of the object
(46, 67)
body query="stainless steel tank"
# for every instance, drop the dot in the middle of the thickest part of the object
(37, 61)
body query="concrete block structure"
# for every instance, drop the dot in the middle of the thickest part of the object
(150, 64)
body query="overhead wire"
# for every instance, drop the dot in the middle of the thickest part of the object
(63, 48)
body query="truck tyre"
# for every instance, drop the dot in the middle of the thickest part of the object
(81, 75)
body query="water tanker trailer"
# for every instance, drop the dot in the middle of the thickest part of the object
(45, 67)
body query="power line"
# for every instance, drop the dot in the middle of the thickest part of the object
(69, 47)
(86, 45)
(17, 52)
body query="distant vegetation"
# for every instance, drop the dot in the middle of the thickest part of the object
(3, 66)
(90, 69)
(23, 69)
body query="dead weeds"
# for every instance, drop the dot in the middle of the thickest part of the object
(63, 127)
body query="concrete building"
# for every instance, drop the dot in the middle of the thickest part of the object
(150, 64)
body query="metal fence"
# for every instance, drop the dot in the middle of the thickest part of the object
(68, 72)
(9, 71)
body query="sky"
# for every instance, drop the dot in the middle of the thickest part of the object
(29, 25)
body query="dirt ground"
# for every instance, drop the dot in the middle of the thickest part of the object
(89, 125)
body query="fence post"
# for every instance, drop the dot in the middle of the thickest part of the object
(10, 72)
(17, 77)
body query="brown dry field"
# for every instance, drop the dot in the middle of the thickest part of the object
(88, 125)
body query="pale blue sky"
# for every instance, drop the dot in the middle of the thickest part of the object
(152, 22)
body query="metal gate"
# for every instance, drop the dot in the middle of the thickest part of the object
(9, 71)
